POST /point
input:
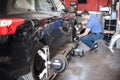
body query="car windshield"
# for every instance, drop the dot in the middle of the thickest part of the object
(59, 5)
(25, 4)
(45, 5)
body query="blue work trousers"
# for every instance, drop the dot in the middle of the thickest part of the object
(90, 39)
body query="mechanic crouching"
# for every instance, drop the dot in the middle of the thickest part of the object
(93, 30)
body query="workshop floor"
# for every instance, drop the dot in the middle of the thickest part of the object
(95, 65)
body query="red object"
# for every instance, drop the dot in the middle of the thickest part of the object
(69, 16)
(43, 22)
(91, 5)
(9, 25)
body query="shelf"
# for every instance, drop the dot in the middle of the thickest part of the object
(109, 32)
(110, 25)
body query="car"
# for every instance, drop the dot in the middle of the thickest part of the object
(27, 48)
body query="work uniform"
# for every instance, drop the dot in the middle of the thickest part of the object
(95, 31)
(56, 31)
(58, 23)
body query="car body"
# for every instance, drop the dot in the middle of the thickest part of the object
(23, 39)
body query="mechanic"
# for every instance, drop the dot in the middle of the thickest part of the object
(58, 28)
(93, 30)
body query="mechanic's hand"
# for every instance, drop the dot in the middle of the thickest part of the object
(78, 35)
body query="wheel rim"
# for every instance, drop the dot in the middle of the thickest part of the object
(40, 64)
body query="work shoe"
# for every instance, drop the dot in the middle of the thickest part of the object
(96, 46)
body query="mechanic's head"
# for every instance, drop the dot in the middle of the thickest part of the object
(85, 14)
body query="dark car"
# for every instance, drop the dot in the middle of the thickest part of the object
(26, 42)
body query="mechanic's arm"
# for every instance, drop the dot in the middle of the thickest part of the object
(61, 29)
(83, 23)
(85, 33)
(83, 26)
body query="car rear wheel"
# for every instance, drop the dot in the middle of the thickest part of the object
(72, 33)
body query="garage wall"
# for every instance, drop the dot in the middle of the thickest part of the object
(91, 5)
(119, 14)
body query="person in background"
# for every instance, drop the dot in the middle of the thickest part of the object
(58, 28)
(93, 30)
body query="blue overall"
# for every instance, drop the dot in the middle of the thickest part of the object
(56, 31)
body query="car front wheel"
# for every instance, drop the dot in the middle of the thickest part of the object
(38, 69)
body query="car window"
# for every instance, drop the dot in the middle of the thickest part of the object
(25, 4)
(59, 5)
(45, 5)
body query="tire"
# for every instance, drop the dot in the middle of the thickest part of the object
(72, 34)
(37, 65)
(4, 74)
